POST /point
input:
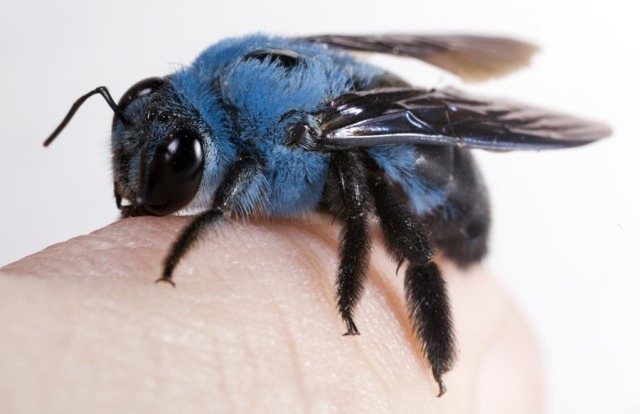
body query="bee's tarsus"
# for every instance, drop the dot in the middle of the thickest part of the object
(352, 329)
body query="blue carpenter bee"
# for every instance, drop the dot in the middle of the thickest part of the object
(281, 126)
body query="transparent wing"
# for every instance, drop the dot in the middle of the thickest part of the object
(473, 58)
(391, 116)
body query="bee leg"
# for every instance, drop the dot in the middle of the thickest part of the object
(347, 196)
(425, 289)
(235, 184)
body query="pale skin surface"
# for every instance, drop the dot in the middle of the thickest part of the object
(251, 327)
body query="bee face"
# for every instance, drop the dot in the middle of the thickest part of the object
(158, 154)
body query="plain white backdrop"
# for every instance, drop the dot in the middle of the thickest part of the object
(566, 223)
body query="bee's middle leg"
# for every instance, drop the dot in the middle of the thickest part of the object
(347, 196)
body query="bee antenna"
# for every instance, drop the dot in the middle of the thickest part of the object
(102, 90)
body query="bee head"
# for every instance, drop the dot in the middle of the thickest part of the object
(158, 155)
(157, 148)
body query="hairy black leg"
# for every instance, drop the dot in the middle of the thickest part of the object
(425, 288)
(429, 312)
(347, 197)
(187, 237)
(233, 188)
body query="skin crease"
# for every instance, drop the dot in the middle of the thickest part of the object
(251, 327)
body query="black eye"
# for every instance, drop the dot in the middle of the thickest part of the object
(173, 176)
(285, 58)
(183, 155)
(144, 87)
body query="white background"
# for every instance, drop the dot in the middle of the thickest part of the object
(565, 239)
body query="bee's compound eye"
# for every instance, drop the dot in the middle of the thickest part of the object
(142, 88)
(174, 175)
(183, 155)
(284, 57)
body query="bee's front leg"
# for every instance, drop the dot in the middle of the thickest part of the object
(230, 196)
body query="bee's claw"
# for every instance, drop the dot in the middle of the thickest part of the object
(166, 280)
(442, 387)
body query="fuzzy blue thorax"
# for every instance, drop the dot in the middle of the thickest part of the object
(251, 104)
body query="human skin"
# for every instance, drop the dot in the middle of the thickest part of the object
(251, 326)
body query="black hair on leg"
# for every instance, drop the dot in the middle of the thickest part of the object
(425, 288)
(346, 194)
(234, 185)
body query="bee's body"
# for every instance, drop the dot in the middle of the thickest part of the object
(274, 126)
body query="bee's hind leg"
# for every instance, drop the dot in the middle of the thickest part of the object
(425, 289)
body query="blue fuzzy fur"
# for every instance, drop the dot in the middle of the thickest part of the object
(268, 100)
